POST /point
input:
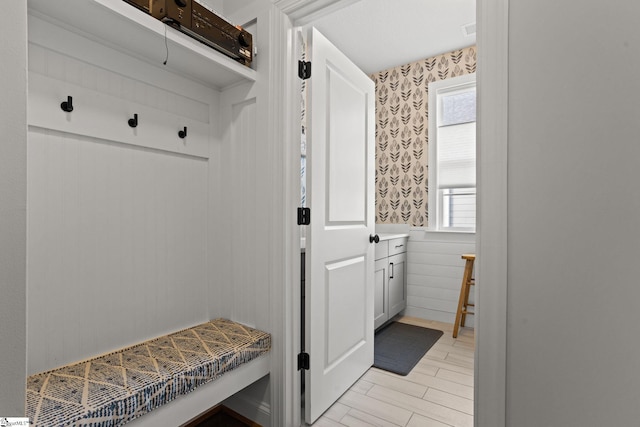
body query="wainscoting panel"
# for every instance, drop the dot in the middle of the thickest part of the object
(117, 216)
(241, 255)
(243, 183)
(104, 100)
(107, 117)
(240, 258)
(434, 274)
(116, 246)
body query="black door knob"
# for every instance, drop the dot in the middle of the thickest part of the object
(374, 238)
(181, 3)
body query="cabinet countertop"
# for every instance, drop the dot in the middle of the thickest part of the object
(390, 236)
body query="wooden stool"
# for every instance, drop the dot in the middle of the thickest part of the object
(463, 302)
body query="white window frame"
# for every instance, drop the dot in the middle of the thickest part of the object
(440, 87)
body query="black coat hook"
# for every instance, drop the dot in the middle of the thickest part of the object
(134, 122)
(67, 105)
(183, 133)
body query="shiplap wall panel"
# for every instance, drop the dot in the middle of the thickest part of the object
(433, 292)
(243, 239)
(434, 274)
(131, 238)
(240, 255)
(65, 68)
(243, 209)
(105, 116)
(108, 66)
(116, 246)
(104, 100)
(117, 230)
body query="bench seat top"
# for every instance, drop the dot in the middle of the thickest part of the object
(113, 389)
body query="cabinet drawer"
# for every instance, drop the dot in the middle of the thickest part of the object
(397, 246)
(382, 249)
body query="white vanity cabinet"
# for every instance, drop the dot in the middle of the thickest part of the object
(390, 294)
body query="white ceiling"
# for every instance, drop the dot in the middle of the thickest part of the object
(381, 34)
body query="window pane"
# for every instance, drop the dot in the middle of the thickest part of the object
(458, 208)
(457, 156)
(458, 108)
(452, 160)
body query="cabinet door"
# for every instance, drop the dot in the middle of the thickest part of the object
(397, 284)
(380, 293)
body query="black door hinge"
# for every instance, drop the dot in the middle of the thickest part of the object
(304, 216)
(303, 361)
(304, 69)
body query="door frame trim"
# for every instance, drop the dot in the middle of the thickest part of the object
(284, 232)
(302, 12)
(491, 334)
(491, 245)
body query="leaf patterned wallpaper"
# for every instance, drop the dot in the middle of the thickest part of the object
(402, 134)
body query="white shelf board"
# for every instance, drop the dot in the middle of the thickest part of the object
(122, 26)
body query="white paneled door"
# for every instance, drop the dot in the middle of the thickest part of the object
(340, 257)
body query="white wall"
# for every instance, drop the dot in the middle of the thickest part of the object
(13, 180)
(241, 207)
(258, 195)
(136, 233)
(573, 357)
(434, 274)
(117, 217)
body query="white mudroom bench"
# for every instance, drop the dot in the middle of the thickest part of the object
(197, 367)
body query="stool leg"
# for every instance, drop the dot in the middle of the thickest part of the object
(464, 290)
(467, 290)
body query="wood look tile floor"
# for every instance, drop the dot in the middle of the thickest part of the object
(438, 392)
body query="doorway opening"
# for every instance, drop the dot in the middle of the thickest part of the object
(411, 216)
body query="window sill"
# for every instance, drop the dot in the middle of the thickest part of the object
(436, 231)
